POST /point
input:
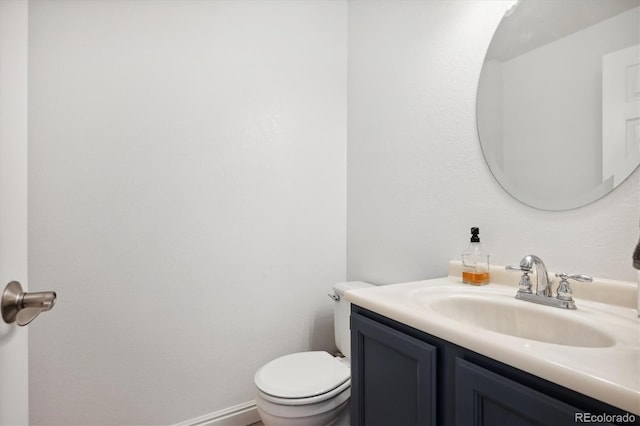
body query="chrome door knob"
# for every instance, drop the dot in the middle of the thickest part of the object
(21, 307)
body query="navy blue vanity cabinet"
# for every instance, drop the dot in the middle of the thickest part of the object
(486, 398)
(403, 376)
(392, 376)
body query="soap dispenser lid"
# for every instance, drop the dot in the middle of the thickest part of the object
(474, 234)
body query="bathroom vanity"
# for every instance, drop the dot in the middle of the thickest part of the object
(441, 352)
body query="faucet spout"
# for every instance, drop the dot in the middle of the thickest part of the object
(533, 263)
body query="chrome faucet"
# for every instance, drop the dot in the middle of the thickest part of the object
(544, 293)
(543, 283)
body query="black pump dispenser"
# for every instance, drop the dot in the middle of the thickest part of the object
(474, 234)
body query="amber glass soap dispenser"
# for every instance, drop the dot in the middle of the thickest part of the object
(475, 261)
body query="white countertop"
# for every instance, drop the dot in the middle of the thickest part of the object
(610, 374)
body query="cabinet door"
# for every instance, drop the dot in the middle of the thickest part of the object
(392, 376)
(486, 398)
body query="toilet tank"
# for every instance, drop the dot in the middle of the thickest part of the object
(341, 315)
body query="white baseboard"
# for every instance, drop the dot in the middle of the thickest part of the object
(238, 415)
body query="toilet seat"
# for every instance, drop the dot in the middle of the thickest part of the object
(303, 378)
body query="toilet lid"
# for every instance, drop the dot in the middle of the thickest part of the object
(302, 375)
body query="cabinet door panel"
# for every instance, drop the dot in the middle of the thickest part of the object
(393, 376)
(486, 398)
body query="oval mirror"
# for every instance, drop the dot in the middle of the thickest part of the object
(558, 104)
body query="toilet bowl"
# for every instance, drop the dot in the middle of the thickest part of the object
(310, 388)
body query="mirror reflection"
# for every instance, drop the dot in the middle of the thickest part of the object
(558, 105)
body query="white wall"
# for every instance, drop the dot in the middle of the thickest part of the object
(187, 200)
(417, 180)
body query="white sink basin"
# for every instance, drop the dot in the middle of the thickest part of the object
(520, 319)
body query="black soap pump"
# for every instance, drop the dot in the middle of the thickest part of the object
(475, 261)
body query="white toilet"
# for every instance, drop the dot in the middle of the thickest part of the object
(310, 388)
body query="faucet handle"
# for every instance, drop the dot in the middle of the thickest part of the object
(564, 288)
(514, 268)
(577, 277)
(524, 286)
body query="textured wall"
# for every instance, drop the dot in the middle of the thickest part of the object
(187, 200)
(417, 180)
